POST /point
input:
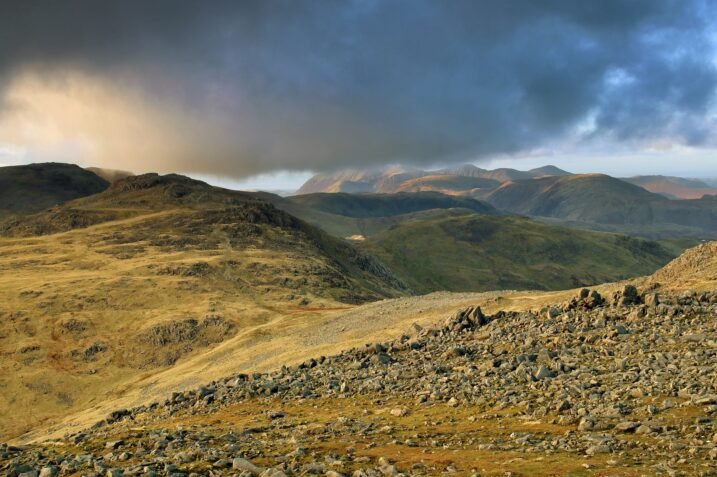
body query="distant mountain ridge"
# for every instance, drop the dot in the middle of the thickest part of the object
(395, 179)
(648, 206)
(674, 187)
(601, 199)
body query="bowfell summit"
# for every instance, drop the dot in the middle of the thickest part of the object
(358, 239)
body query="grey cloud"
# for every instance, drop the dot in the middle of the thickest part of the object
(324, 84)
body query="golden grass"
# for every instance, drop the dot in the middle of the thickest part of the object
(116, 292)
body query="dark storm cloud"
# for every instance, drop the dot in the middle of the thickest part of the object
(326, 84)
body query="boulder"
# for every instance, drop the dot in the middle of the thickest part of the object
(242, 464)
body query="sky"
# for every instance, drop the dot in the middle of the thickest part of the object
(267, 92)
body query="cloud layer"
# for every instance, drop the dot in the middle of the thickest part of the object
(239, 88)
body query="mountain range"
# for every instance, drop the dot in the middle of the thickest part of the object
(462, 179)
(648, 206)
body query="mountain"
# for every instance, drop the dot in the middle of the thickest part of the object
(110, 175)
(195, 214)
(592, 201)
(586, 197)
(601, 199)
(34, 187)
(673, 187)
(546, 171)
(156, 271)
(463, 179)
(459, 250)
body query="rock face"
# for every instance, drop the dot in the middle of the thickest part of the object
(629, 383)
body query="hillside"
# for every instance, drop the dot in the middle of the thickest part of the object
(344, 181)
(387, 205)
(455, 180)
(34, 187)
(605, 381)
(111, 289)
(587, 197)
(356, 216)
(463, 251)
(601, 199)
(447, 184)
(673, 187)
(583, 201)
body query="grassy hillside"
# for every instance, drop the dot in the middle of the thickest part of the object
(660, 231)
(601, 199)
(386, 205)
(460, 251)
(587, 197)
(110, 289)
(453, 180)
(363, 215)
(34, 187)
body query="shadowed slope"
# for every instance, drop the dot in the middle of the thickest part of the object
(454, 180)
(601, 199)
(460, 251)
(386, 205)
(34, 187)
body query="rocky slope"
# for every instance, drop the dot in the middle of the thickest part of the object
(691, 268)
(459, 250)
(621, 383)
